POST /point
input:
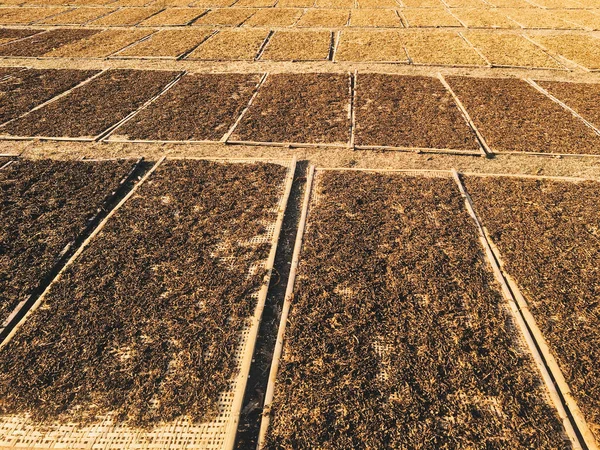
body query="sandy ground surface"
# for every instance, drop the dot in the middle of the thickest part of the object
(588, 167)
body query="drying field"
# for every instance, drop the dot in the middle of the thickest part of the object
(447, 288)
(398, 336)
(548, 235)
(146, 324)
(46, 206)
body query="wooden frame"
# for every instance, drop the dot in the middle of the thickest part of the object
(266, 416)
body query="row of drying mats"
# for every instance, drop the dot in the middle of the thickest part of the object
(19, 431)
(446, 47)
(456, 114)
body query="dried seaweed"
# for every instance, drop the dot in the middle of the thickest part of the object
(311, 107)
(537, 18)
(430, 18)
(225, 17)
(581, 17)
(409, 111)
(276, 17)
(126, 16)
(146, 322)
(398, 336)
(173, 17)
(298, 46)
(22, 16)
(256, 3)
(42, 43)
(505, 49)
(439, 47)
(391, 4)
(484, 18)
(581, 48)
(324, 18)
(167, 43)
(548, 234)
(23, 90)
(90, 109)
(77, 16)
(375, 18)
(199, 107)
(11, 34)
(230, 45)
(344, 4)
(584, 98)
(45, 205)
(295, 3)
(513, 116)
(100, 45)
(367, 45)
